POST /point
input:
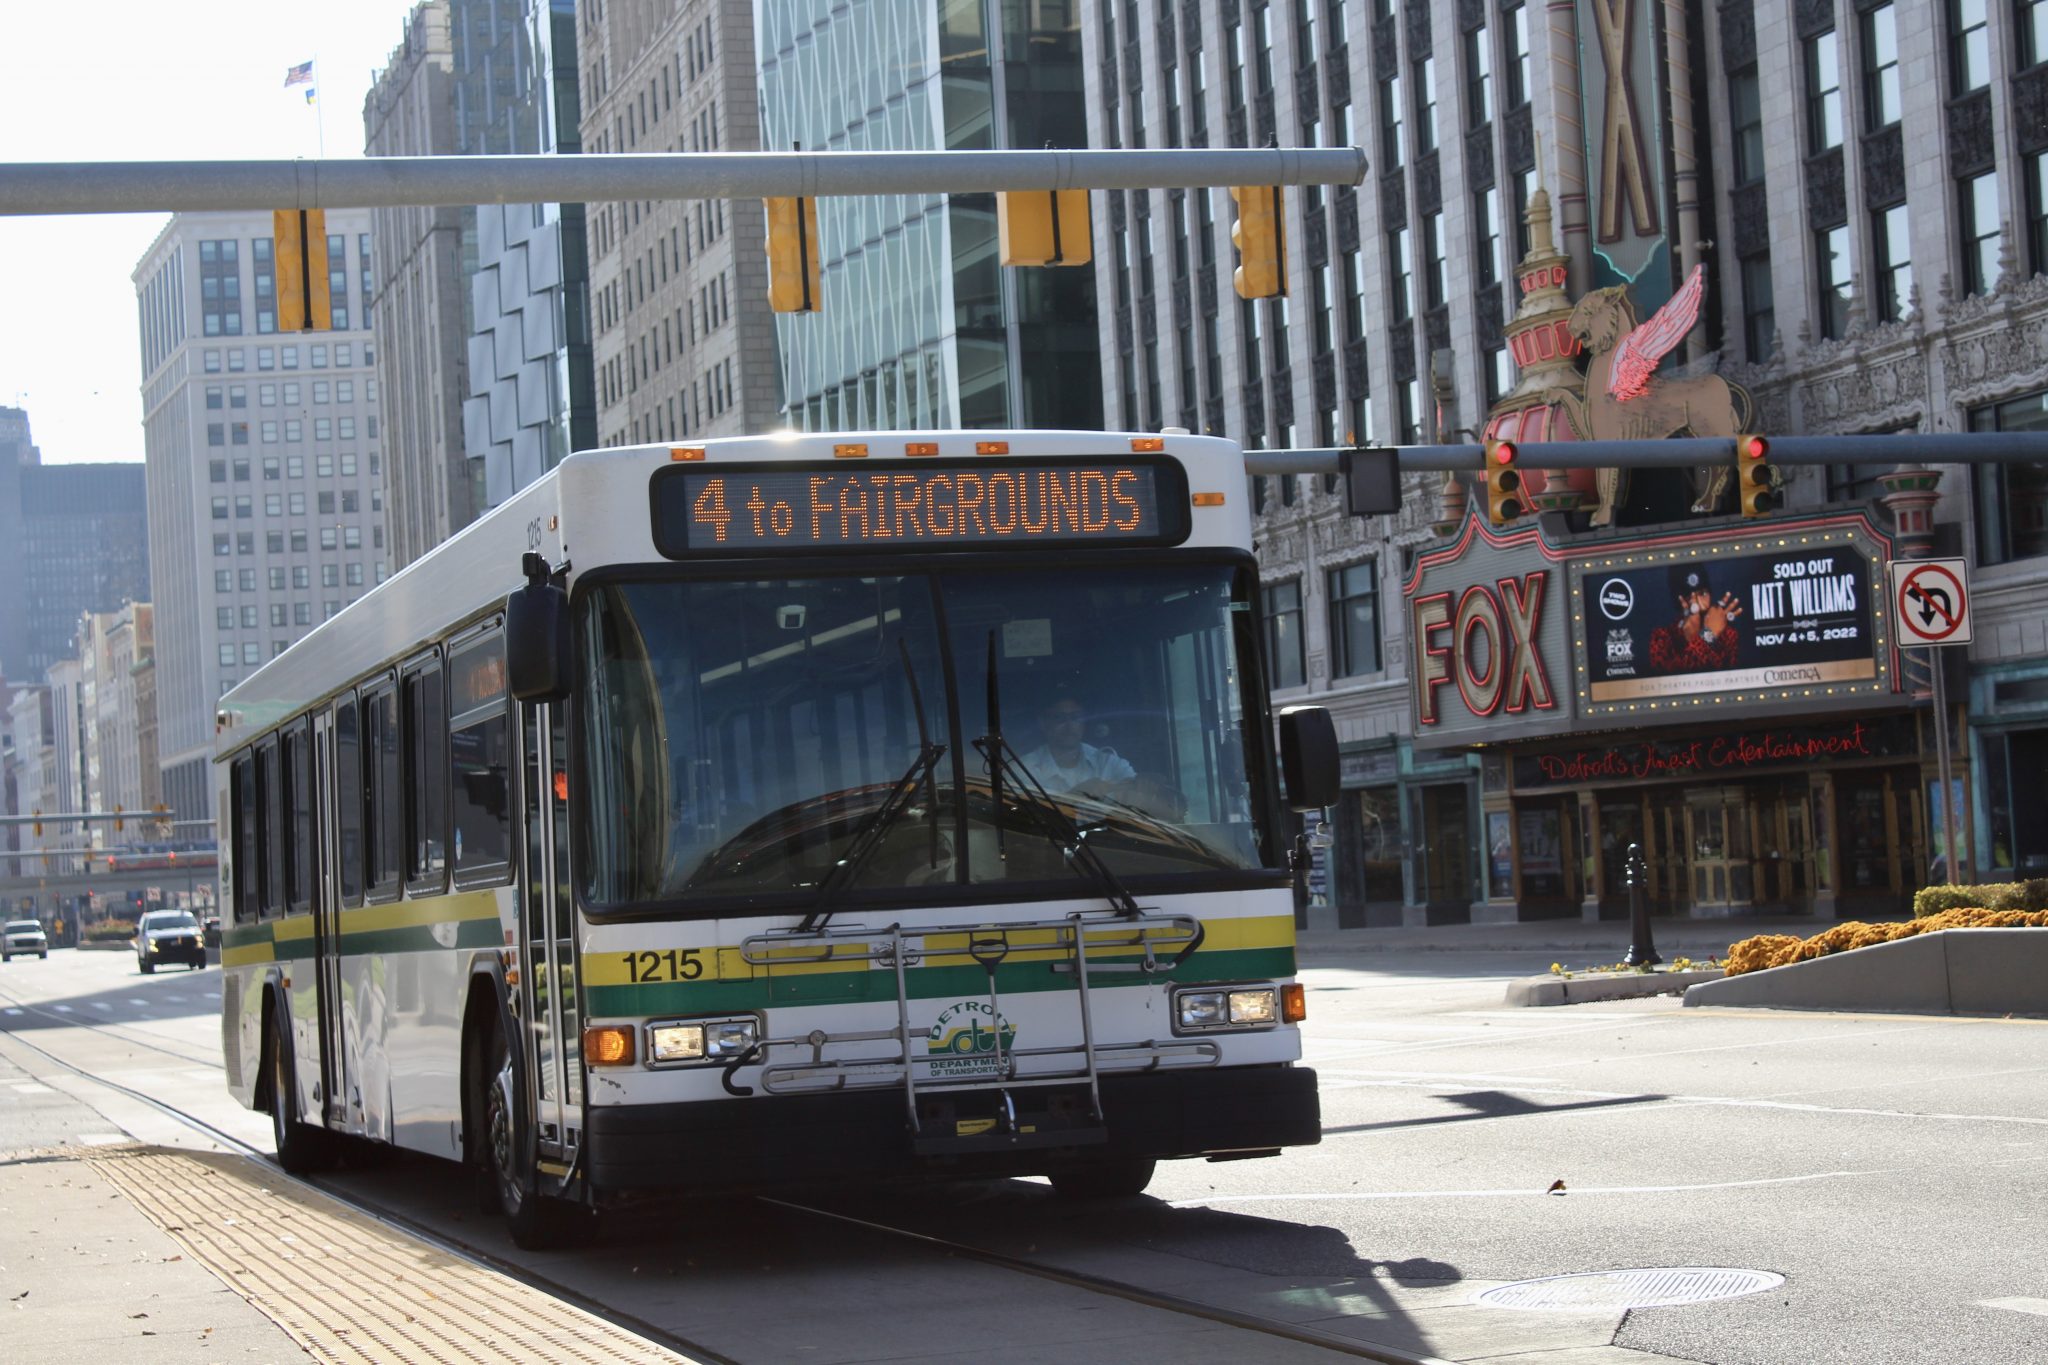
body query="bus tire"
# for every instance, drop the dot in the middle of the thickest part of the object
(537, 1222)
(1114, 1178)
(301, 1148)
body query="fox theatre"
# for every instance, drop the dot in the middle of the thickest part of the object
(1729, 699)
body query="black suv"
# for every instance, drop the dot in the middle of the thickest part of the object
(163, 936)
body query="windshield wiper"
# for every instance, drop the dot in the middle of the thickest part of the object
(868, 837)
(1003, 759)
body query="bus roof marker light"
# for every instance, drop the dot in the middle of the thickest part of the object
(1145, 444)
(686, 452)
(850, 450)
(1206, 499)
(920, 447)
(991, 447)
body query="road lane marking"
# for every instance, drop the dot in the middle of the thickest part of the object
(102, 1005)
(31, 1088)
(1744, 1047)
(1725, 1101)
(63, 1009)
(2038, 1307)
(1529, 1192)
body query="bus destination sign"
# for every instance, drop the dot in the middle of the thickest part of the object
(746, 509)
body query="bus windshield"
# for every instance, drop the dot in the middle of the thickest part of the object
(739, 739)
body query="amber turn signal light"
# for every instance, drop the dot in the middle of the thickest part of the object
(608, 1045)
(1293, 1003)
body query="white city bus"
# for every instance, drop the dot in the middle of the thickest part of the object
(783, 809)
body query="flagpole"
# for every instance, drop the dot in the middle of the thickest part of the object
(319, 107)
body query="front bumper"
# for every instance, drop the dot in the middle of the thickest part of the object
(783, 1140)
(193, 954)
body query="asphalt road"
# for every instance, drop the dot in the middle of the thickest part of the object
(1890, 1168)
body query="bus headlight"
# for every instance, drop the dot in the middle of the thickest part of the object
(680, 1042)
(1209, 1009)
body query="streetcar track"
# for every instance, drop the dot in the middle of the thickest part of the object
(441, 1240)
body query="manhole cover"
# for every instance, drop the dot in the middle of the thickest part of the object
(1614, 1289)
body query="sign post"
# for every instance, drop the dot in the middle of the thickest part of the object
(1931, 608)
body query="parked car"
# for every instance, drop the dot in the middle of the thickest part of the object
(164, 936)
(24, 936)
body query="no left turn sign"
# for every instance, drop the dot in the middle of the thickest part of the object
(1931, 601)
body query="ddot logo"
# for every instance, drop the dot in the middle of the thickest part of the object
(1617, 599)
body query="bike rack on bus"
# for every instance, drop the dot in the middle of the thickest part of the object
(1074, 945)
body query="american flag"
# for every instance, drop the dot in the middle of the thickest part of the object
(302, 74)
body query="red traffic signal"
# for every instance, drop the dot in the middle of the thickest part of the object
(1503, 483)
(1756, 482)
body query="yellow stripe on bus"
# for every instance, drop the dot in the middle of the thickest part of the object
(941, 950)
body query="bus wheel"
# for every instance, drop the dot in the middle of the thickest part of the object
(536, 1221)
(301, 1148)
(1117, 1178)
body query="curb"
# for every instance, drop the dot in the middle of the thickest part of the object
(1580, 990)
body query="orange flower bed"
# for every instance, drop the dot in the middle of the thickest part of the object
(1778, 950)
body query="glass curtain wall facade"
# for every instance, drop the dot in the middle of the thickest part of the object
(920, 327)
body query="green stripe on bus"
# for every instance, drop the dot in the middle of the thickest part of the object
(410, 938)
(923, 983)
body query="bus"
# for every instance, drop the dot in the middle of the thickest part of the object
(779, 810)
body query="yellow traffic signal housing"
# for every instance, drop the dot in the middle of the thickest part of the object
(304, 300)
(119, 823)
(1261, 242)
(1042, 227)
(39, 824)
(1504, 502)
(1756, 482)
(794, 275)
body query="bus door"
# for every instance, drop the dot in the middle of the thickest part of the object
(327, 906)
(547, 912)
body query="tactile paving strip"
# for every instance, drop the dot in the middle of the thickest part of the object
(1608, 1290)
(345, 1287)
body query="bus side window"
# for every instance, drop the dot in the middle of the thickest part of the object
(242, 793)
(426, 781)
(480, 751)
(348, 799)
(298, 825)
(383, 807)
(270, 828)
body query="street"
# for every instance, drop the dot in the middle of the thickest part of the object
(1889, 1168)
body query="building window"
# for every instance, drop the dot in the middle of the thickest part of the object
(2033, 32)
(1823, 93)
(1892, 247)
(1969, 46)
(1880, 68)
(2037, 206)
(1400, 291)
(1393, 138)
(1759, 312)
(1486, 237)
(1283, 634)
(1425, 106)
(1746, 113)
(1518, 68)
(1479, 76)
(1980, 232)
(1831, 261)
(2012, 499)
(1435, 282)
(1355, 620)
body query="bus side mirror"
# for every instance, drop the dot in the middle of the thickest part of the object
(1308, 757)
(537, 637)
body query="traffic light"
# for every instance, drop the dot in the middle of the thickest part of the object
(1042, 227)
(1261, 242)
(1756, 482)
(794, 275)
(163, 821)
(118, 821)
(1503, 483)
(39, 824)
(305, 300)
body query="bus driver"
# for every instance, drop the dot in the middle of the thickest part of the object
(1064, 762)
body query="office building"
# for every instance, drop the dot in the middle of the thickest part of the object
(73, 538)
(919, 325)
(507, 283)
(265, 466)
(684, 344)
(421, 299)
(1861, 184)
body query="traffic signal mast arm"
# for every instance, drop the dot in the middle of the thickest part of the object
(1680, 452)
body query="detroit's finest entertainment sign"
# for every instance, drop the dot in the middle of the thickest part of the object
(746, 509)
(1709, 623)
